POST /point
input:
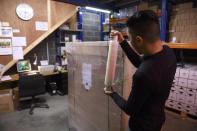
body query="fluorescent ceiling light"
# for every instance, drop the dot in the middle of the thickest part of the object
(96, 9)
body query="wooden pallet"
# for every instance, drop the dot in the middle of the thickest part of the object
(182, 114)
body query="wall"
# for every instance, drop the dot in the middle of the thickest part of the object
(53, 12)
(8, 14)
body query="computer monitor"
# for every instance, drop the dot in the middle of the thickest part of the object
(23, 66)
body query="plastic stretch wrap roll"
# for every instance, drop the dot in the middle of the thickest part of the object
(111, 62)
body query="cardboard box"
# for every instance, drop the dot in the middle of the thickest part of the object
(182, 82)
(171, 103)
(181, 89)
(181, 98)
(176, 81)
(15, 98)
(185, 5)
(192, 84)
(194, 27)
(179, 106)
(143, 6)
(190, 99)
(193, 74)
(191, 92)
(177, 72)
(6, 101)
(184, 72)
(188, 108)
(92, 110)
(195, 102)
(172, 96)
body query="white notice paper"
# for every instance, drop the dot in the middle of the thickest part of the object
(15, 30)
(19, 41)
(41, 25)
(5, 23)
(5, 78)
(17, 53)
(87, 75)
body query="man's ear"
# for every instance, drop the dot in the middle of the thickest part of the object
(139, 40)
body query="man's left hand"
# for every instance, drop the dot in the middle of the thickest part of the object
(107, 91)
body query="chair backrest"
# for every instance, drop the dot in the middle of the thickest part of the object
(31, 85)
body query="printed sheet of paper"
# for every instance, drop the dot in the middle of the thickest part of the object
(17, 53)
(19, 41)
(6, 31)
(87, 75)
(5, 47)
(41, 25)
(16, 30)
(5, 78)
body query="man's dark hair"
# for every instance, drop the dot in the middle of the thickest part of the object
(145, 24)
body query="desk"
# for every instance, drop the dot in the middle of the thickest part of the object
(57, 77)
(15, 77)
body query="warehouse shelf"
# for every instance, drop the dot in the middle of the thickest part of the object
(71, 30)
(116, 20)
(183, 45)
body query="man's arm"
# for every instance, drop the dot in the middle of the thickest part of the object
(137, 97)
(134, 58)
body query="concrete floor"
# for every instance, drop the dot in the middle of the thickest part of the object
(56, 119)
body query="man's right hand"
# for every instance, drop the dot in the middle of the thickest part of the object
(119, 34)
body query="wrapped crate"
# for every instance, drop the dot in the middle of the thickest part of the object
(90, 109)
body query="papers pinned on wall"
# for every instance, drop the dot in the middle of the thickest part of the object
(41, 25)
(17, 53)
(5, 23)
(6, 31)
(19, 41)
(5, 78)
(5, 47)
(16, 30)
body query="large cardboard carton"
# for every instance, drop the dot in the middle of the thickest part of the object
(90, 109)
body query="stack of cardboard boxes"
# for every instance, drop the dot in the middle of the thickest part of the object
(183, 95)
(183, 24)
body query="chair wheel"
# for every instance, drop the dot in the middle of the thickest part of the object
(31, 113)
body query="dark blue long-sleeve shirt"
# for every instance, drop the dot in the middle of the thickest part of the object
(151, 87)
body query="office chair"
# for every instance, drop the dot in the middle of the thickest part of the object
(32, 86)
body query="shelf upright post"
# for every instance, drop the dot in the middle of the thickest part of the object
(164, 19)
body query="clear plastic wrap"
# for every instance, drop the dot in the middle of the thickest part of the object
(89, 108)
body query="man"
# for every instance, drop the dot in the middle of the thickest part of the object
(153, 79)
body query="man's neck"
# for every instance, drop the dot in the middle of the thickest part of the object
(154, 48)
